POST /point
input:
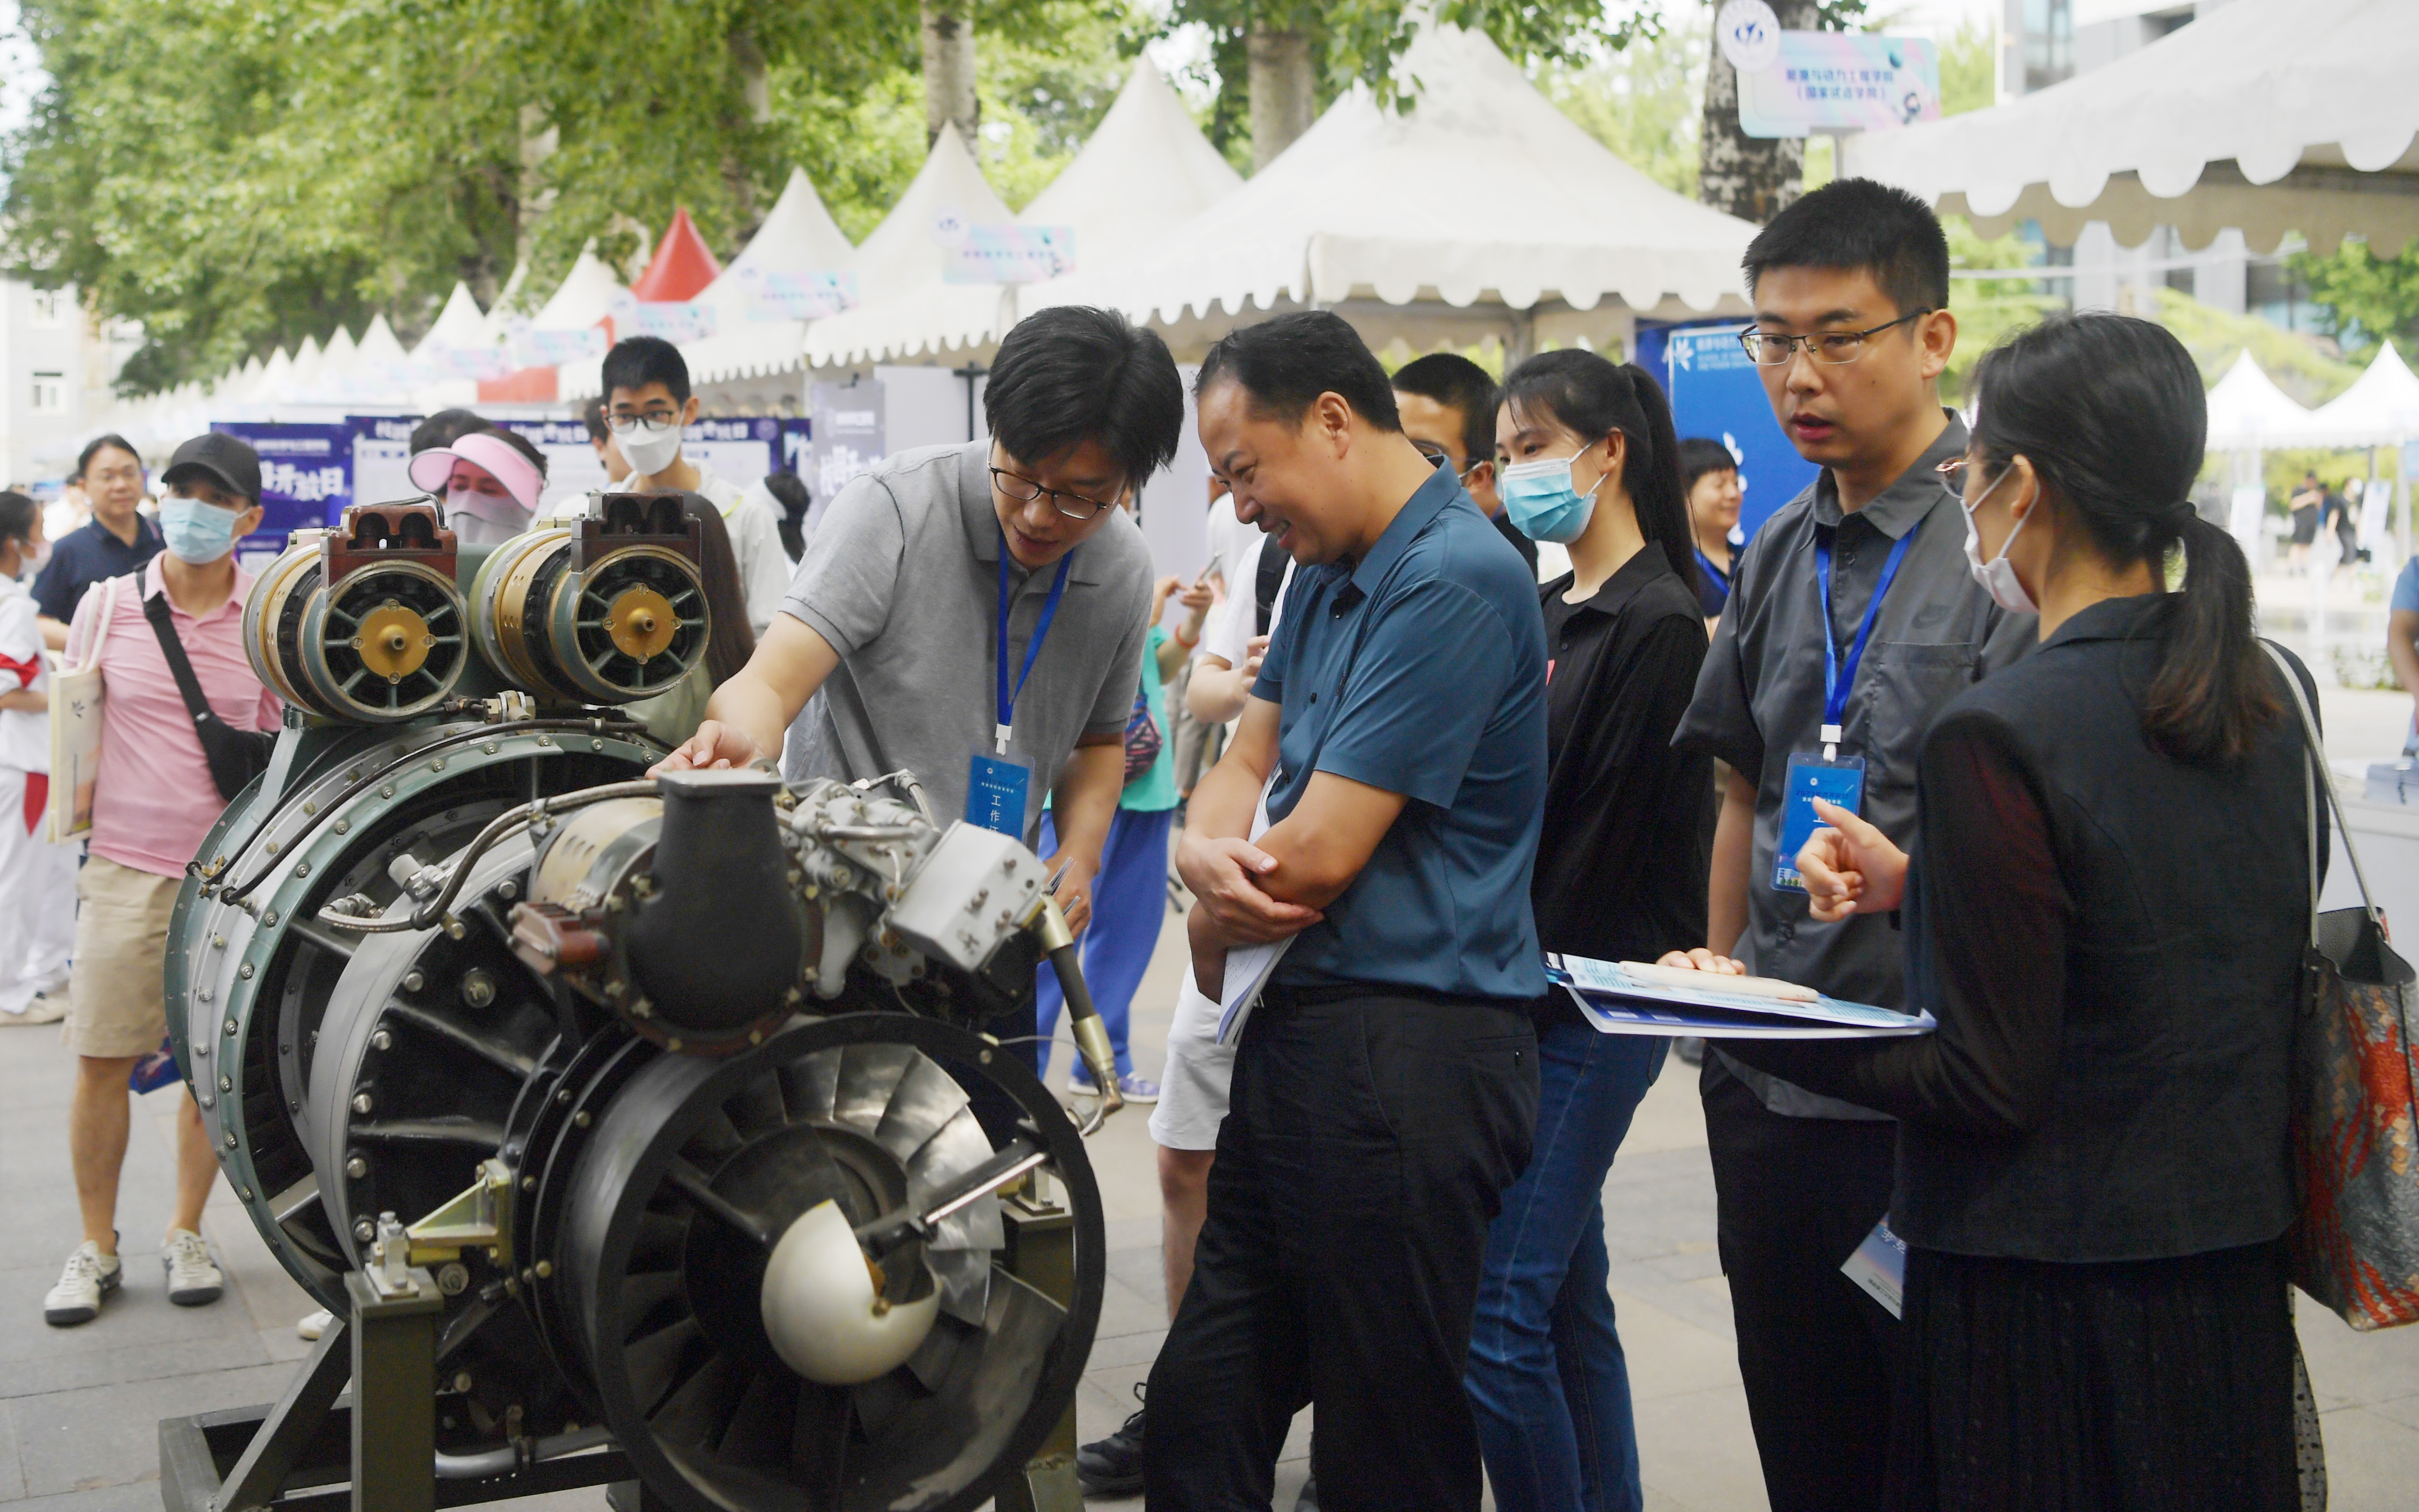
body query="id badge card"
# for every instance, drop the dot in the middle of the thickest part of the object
(1840, 782)
(996, 793)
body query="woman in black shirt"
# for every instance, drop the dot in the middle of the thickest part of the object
(2107, 914)
(1588, 458)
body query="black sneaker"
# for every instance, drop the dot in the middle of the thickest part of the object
(1113, 1466)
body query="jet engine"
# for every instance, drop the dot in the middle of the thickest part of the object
(637, 1130)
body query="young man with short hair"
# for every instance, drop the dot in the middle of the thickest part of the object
(1448, 407)
(1385, 1087)
(153, 803)
(888, 642)
(1850, 286)
(647, 406)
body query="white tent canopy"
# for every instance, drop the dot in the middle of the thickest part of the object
(584, 296)
(1145, 171)
(2380, 408)
(2271, 115)
(1481, 209)
(2248, 412)
(460, 326)
(799, 237)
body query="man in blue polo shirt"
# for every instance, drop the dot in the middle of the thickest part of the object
(1385, 1087)
(115, 541)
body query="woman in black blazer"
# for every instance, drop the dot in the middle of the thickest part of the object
(2107, 914)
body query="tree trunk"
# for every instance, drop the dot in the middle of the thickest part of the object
(539, 138)
(1753, 178)
(949, 70)
(1283, 93)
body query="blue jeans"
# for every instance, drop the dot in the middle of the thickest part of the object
(1546, 1377)
(1129, 901)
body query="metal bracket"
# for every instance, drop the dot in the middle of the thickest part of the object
(480, 1218)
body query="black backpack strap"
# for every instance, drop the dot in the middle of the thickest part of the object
(155, 609)
(1267, 584)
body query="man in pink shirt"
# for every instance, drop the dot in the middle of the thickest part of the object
(153, 802)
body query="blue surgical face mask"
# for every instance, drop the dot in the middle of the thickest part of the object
(196, 532)
(1544, 501)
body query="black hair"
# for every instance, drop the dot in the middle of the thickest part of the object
(1858, 225)
(1456, 382)
(1592, 397)
(2110, 412)
(1286, 361)
(591, 414)
(732, 639)
(522, 444)
(94, 447)
(635, 361)
(18, 514)
(789, 491)
(1073, 374)
(1701, 455)
(444, 428)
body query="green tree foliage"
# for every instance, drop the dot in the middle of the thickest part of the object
(1969, 67)
(1642, 101)
(1987, 309)
(2368, 297)
(2215, 338)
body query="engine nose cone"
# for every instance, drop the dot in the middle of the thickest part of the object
(825, 1318)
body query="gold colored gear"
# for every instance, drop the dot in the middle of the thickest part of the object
(642, 622)
(393, 641)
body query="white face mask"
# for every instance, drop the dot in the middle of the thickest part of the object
(1997, 577)
(30, 561)
(649, 449)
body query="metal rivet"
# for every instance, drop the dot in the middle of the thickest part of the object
(272, 847)
(301, 868)
(245, 971)
(356, 1168)
(342, 827)
(364, 1230)
(528, 1183)
(361, 1101)
(269, 920)
(508, 890)
(310, 806)
(437, 763)
(386, 790)
(230, 1140)
(218, 942)
(230, 1026)
(413, 981)
(208, 1101)
(563, 1096)
(245, 1193)
(381, 1040)
(583, 1118)
(489, 748)
(226, 1084)
(545, 1268)
(984, 1058)
(596, 744)
(204, 993)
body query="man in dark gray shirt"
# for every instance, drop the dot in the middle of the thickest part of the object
(1851, 332)
(976, 613)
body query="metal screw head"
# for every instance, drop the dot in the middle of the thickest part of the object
(218, 942)
(461, 1380)
(361, 1101)
(583, 1118)
(528, 1183)
(413, 981)
(381, 1040)
(364, 1230)
(563, 1096)
(268, 920)
(437, 763)
(230, 1026)
(508, 890)
(243, 1194)
(344, 826)
(489, 748)
(226, 1084)
(386, 790)
(230, 1140)
(356, 1168)
(545, 1268)
(245, 971)
(478, 988)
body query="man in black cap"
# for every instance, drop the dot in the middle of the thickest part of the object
(153, 803)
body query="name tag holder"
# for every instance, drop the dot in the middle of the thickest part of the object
(997, 789)
(1829, 775)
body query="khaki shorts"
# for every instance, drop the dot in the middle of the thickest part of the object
(116, 1002)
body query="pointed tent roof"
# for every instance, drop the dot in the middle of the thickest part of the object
(272, 376)
(901, 254)
(1333, 220)
(682, 264)
(379, 346)
(584, 297)
(2247, 412)
(338, 357)
(1145, 171)
(2380, 408)
(303, 377)
(797, 237)
(508, 299)
(460, 326)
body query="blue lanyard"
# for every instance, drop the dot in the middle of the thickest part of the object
(1008, 695)
(1718, 574)
(1840, 676)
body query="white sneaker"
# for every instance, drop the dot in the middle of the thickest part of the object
(46, 1007)
(90, 1275)
(193, 1280)
(311, 1325)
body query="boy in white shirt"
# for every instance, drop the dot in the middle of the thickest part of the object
(36, 878)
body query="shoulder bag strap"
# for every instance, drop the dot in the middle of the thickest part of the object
(155, 609)
(2312, 783)
(99, 636)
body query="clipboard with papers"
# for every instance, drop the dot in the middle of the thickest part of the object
(1630, 997)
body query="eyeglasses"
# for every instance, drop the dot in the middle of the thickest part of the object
(1438, 456)
(1953, 468)
(1024, 490)
(623, 425)
(1769, 348)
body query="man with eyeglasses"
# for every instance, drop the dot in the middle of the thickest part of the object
(647, 406)
(1852, 620)
(975, 613)
(1448, 407)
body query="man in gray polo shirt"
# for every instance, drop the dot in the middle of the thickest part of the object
(892, 639)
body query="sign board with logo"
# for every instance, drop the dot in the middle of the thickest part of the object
(674, 320)
(1010, 253)
(1716, 391)
(306, 479)
(847, 440)
(814, 295)
(1840, 81)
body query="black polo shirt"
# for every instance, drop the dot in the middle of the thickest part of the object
(87, 555)
(1620, 863)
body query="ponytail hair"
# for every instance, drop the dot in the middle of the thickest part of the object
(1592, 397)
(2110, 412)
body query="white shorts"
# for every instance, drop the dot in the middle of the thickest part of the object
(1193, 1087)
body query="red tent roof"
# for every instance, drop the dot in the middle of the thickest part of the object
(682, 267)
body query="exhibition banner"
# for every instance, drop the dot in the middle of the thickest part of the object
(1839, 82)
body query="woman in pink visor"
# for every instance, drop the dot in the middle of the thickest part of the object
(490, 480)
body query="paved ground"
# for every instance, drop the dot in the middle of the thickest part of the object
(79, 1407)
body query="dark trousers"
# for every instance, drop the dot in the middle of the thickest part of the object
(1367, 1147)
(1796, 1196)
